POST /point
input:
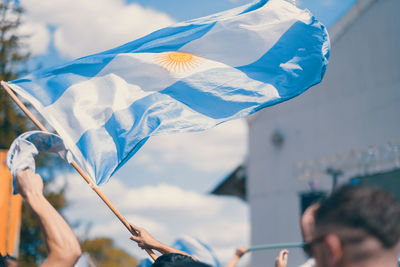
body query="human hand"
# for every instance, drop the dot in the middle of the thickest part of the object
(282, 259)
(241, 251)
(144, 239)
(238, 254)
(307, 222)
(29, 183)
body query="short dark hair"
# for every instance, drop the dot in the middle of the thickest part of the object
(177, 260)
(365, 208)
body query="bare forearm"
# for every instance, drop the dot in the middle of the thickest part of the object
(233, 262)
(63, 246)
(146, 241)
(164, 249)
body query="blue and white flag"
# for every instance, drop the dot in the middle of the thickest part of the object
(187, 77)
(25, 147)
(197, 249)
(193, 247)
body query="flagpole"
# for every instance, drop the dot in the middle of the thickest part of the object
(277, 246)
(76, 166)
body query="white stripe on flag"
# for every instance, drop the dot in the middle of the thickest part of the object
(107, 93)
(262, 28)
(105, 106)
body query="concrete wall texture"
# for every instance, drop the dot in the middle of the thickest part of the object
(356, 106)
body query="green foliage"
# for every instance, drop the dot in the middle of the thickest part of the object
(11, 123)
(104, 254)
(11, 56)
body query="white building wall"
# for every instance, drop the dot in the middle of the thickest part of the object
(356, 106)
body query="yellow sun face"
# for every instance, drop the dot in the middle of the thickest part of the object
(178, 61)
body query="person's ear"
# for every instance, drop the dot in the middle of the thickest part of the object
(335, 248)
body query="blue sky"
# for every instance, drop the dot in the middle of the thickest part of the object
(327, 11)
(163, 187)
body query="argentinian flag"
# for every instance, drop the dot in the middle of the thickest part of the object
(187, 77)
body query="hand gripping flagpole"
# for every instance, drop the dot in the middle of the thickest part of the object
(76, 166)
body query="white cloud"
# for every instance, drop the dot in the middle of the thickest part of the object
(163, 198)
(38, 37)
(221, 148)
(90, 26)
(167, 211)
(35, 35)
(113, 229)
(221, 232)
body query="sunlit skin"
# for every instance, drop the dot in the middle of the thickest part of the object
(331, 252)
(331, 246)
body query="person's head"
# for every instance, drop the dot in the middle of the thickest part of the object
(8, 261)
(355, 225)
(177, 260)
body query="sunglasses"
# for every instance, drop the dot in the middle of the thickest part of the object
(348, 240)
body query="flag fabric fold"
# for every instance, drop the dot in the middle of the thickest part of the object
(187, 77)
(25, 147)
(197, 249)
(193, 247)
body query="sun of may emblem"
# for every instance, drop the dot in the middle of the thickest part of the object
(178, 61)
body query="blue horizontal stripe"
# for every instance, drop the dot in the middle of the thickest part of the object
(206, 92)
(108, 161)
(127, 130)
(216, 95)
(255, 6)
(219, 93)
(130, 128)
(194, 103)
(47, 85)
(167, 39)
(309, 63)
(161, 112)
(103, 163)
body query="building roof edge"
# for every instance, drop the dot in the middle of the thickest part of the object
(341, 26)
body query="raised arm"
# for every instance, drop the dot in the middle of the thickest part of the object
(64, 249)
(238, 254)
(282, 259)
(146, 241)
